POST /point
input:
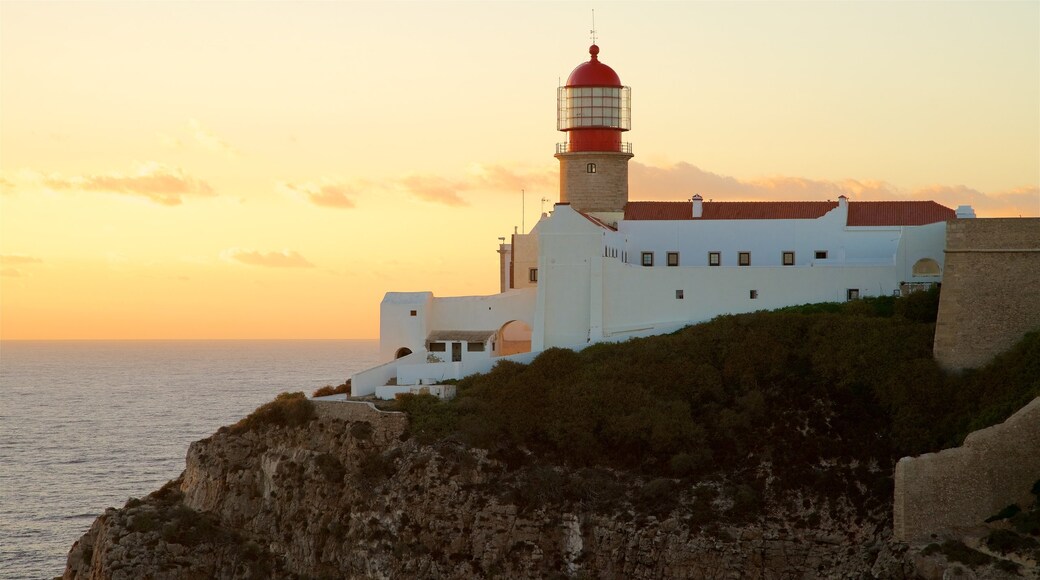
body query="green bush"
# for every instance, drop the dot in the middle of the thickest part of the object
(852, 383)
(343, 389)
(1005, 513)
(286, 410)
(1005, 541)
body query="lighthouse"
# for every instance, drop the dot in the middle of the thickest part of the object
(594, 109)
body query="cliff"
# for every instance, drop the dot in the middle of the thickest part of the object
(346, 494)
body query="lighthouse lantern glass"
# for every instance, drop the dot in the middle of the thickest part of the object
(608, 107)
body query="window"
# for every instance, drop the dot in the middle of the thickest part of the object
(744, 258)
(789, 258)
(852, 294)
(821, 254)
(678, 294)
(437, 347)
(753, 295)
(648, 258)
(474, 347)
(714, 258)
(590, 168)
(673, 258)
(413, 313)
(532, 275)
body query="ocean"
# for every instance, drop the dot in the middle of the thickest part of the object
(85, 425)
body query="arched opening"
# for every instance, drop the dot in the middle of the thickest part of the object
(514, 337)
(402, 352)
(926, 267)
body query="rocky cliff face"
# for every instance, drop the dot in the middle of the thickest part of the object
(347, 494)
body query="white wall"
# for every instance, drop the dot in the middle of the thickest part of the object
(397, 328)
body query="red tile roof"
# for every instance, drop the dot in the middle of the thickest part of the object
(897, 213)
(861, 213)
(728, 210)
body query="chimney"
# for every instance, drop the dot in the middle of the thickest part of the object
(965, 211)
(698, 206)
(843, 201)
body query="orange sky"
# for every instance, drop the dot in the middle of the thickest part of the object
(269, 170)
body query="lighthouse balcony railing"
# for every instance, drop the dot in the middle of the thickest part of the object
(567, 147)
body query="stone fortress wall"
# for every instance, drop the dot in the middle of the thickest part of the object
(961, 487)
(991, 289)
(990, 298)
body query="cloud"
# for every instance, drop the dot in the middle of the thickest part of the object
(161, 184)
(6, 185)
(10, 272)
(325, 194)
(209, 140)
(682, 180)
(435, 189)
(278, 259)
(19, 259)
(492, 178)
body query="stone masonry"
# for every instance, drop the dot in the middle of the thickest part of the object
(961, 487)
(991, 289)
(606, 190)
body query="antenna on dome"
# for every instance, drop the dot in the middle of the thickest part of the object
(593, 31)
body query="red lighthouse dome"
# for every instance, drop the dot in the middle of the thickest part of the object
(593, 108)
(593, 73)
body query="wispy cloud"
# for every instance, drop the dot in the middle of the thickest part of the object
(19, 259)
(209, 140)
(326, 194)
(157, 182)
(450, 191)
(277, 259)
(435, 189)
(6, 185)
(682, 180)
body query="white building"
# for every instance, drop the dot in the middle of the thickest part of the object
(601, 268)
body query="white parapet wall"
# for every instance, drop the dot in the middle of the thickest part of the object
(961, 487)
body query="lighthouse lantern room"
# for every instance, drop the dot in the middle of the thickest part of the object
(593, 109)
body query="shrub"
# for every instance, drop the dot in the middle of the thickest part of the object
(1005, 513)
(286, 410)
(1004, 541)
(361, 430)
(343, 389)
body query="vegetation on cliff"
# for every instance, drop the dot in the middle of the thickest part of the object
(771, 397)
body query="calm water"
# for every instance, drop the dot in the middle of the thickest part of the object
(86, 425)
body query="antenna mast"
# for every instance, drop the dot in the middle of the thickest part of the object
(523, 204)
(593, 31)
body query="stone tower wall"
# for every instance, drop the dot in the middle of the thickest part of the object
(991, 289)
(606, 190)
(961, 487)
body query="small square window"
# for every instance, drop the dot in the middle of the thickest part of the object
(852, 294)
(678, 294)
(744, 258)
(590, 168)
(714, 258)
(673, 258)
(789, 258)
(413, 313)
(753, 295)
(648, 258)
(532, 275)
(821, 254)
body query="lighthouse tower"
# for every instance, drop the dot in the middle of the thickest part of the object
(593, 109)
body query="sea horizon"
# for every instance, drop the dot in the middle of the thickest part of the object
(86, 424)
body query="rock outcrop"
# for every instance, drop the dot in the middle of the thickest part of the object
(348, 495)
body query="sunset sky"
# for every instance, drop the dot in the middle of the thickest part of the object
(269, 170)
